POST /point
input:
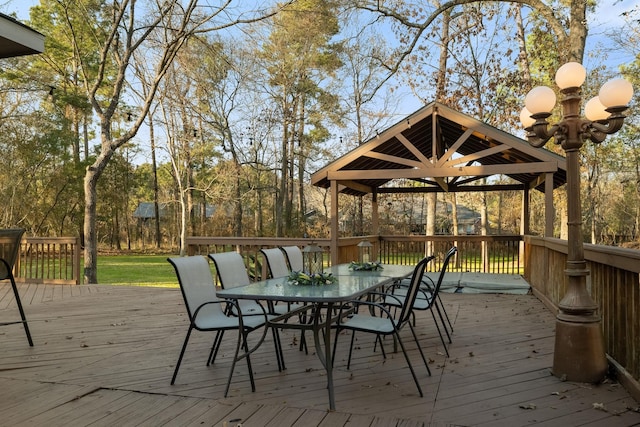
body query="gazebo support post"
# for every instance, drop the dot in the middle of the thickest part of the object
(335, 256)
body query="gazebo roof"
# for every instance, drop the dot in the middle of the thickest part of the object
(17, 39)
(440, 149)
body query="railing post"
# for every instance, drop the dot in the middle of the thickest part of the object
(76, 261)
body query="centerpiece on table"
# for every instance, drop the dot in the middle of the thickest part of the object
(312, 274)
(300, 278)
(364, 262)
(365, 266)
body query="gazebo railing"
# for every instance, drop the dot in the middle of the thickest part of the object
(484, 254)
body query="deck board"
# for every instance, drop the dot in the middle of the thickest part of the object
(104, 356)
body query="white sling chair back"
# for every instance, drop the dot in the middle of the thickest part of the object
(232, 272)
(276, 261)
(294, 256)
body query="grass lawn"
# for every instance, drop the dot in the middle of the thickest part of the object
(136, 270)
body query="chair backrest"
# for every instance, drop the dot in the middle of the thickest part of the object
(9, 247)
(276, 261)
(294, 256)
(230, 269)
(196, 282)
(445, 264)
(412, 291)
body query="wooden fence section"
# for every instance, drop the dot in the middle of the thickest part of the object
(486, 254)
(49, 260)
(614, 283)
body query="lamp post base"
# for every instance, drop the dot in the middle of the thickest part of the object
(579, 354)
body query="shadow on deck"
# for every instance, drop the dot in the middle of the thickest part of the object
(104, 355)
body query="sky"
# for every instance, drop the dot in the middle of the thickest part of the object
(606, 18)
(607, 15)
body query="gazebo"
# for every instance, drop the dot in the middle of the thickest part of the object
(445, 151)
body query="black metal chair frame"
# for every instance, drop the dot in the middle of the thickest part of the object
(268, 255)
(255, 307)
(12, 238)
(243, 324)
(429, 298)
(385, 322)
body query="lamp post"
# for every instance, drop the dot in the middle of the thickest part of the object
(579, 353)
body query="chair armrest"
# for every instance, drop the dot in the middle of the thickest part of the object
(422, 294)
(372, 306)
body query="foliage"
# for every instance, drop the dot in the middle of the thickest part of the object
(300, 278)
(365, 266)
(298, 55)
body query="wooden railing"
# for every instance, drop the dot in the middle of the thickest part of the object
(485, 254)
(502, 253)
(49, 260)
(614, 284)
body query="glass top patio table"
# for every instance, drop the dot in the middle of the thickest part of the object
(349, 286)
(394, 271)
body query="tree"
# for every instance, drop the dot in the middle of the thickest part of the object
(120, 29)
(39, 178)
(567, 23)
(298, 56)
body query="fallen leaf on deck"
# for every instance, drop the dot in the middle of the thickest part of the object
(599, 407)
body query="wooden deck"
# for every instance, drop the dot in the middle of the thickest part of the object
(104, 356)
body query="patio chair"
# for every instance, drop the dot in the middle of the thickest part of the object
(9, 247)
(277, 263)
(208, 313)
(232, 272)
(385, 323)
(427, 298)
(294, 257)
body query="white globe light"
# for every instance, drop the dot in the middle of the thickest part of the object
(571, 74)
(616, 93)
(526, 119)
(594, 110)
(540, 99)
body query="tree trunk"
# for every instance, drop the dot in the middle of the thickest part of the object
(441, 84)
(91, 177)
(523, 58)
(156, 190)
(237, 206)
